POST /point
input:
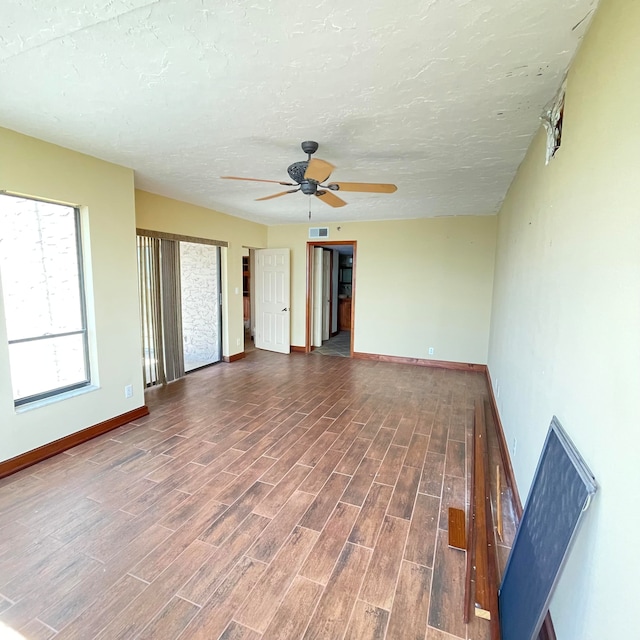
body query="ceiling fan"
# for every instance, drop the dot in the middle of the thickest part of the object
(308, 176)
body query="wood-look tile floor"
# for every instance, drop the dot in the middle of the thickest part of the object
(278, 497)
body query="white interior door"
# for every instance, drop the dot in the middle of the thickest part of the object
(326, 294)
(317, 296)
(273, 314)
(334, 292)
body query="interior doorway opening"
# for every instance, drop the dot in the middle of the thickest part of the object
(330, 300)
(247, 299)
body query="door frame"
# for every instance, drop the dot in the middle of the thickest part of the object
(327, 243)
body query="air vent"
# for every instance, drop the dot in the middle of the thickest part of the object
(318, 232)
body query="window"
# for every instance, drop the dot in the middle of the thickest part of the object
(42, 287)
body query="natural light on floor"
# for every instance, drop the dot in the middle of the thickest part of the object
(7, 633)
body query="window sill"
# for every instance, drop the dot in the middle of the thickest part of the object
(37, 404)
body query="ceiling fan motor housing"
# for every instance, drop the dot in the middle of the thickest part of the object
(297, 170)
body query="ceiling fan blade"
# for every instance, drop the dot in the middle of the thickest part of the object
(330, 198)
(364, 187)
(277, 195)
(318, 170)
(286, 184)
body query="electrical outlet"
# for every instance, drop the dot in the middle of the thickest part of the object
(128, 391)
(514, 446)
(237, 342)
(430, 351)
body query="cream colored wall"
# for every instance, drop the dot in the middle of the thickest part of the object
(565, 335)
(419, 283)
(105, 192)
(172, 216)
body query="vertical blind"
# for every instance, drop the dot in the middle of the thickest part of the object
(171, 309)
(160, 311)
(150, 311)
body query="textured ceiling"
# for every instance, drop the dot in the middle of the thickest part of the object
(440, 97)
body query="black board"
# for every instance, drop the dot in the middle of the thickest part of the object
(560, 493)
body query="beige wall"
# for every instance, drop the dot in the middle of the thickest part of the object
(565, 335)
(419, 283)
(172, 216)
(105, 192)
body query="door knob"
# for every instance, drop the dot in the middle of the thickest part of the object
(285, 309)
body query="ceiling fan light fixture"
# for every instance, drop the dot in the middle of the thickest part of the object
(308, 188)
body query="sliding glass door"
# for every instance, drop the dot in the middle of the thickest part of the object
(180, 306)
(200, 295)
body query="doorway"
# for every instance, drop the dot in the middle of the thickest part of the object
(247, 299)
(330, 297)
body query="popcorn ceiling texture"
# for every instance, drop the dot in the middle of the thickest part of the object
(440, 97)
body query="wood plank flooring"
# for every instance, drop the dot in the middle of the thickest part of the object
(278, 497)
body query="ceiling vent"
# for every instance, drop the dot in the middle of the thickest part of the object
(318, 232)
